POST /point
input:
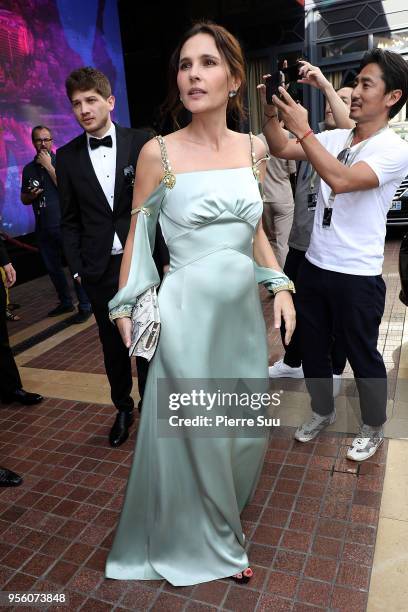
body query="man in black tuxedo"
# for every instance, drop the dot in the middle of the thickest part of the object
(95, 174)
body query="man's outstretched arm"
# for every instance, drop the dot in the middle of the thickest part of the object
(339, 177)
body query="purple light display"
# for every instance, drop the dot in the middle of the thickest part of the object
(41, 42)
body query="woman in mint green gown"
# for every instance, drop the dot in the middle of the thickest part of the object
(181, 515)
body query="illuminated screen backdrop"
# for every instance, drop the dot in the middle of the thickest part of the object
(41, 42)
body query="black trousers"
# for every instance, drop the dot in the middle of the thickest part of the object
(117, 361)
(50, 245)
(293, 350)
(351, 307)
(116, 357)
(9, 376)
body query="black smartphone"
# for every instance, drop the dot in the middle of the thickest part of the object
(272, 83)
(292, 73)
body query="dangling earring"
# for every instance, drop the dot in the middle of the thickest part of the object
(181, 99)
(232, 94)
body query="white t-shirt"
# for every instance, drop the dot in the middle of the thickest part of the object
(354, 242)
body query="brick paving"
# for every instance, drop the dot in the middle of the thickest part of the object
(81, 353)
(36, 298)
(311, 526)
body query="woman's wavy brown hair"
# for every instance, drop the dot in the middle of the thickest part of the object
(229, 48)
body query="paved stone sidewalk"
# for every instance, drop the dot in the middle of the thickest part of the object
(311, 527)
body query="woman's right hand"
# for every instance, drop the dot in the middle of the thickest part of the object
(284, 311)
(124, 325)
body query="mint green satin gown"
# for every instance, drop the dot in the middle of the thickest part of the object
(181, 515)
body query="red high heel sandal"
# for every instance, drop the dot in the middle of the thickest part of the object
(244, 576)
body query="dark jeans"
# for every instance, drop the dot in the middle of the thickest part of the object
(9, 377)
(293, 350)
(353, 306)
(50, 245)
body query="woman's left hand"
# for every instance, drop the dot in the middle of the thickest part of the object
(283, 308)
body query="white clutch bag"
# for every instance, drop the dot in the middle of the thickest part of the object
(145, 325)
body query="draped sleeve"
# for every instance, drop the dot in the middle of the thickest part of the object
(143, 272)
(273, 280)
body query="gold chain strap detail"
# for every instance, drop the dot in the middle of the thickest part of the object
(169, 179)
(255, 168)
(143, 210)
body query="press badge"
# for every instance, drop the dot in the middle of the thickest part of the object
(311, 201)
(327, 215)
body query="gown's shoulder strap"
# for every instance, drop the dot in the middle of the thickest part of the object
(255, 163)
(168, 178)
(253, 156)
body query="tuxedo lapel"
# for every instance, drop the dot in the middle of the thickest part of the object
(123, 145)
(89, 172)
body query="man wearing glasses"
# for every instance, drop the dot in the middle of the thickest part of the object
(339, 286)
(39, 188)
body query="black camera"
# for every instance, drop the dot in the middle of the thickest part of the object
(33, 184)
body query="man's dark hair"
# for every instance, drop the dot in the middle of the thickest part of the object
(38, 128)
(394, 73)
(87, 78)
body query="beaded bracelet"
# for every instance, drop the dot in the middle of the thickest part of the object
(284, 287)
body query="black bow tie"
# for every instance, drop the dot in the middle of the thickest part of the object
(94, 143)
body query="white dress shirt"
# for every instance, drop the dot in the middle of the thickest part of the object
(104, 163)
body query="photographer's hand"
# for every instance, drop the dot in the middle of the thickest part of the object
(270, 111)
(312, 75)
(294, 115)
(278, 142)
(44, 159)
(276, 137)
(28, 197)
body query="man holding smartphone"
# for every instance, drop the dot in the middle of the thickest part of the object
(39, 189)
(340, 286)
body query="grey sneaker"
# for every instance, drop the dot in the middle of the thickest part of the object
(365, 444)
(317, 423)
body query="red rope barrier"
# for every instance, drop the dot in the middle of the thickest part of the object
(18, 243)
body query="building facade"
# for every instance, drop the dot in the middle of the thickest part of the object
(338, 33)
